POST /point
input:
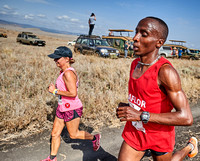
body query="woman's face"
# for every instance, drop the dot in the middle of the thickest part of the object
(60, 62)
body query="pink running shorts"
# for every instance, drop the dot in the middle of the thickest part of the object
(69, 115)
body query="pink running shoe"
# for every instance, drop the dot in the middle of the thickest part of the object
(96, 142)
(48, 159)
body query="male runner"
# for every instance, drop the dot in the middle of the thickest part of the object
(154, 90)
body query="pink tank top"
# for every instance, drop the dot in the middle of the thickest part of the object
(67, 103)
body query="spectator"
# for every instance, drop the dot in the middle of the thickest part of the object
(126, 47)
(180, 53)
(91, 23)
(174, 52)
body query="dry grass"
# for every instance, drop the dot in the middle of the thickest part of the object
(26, 71)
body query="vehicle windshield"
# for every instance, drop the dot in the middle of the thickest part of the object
(101, 42)
(32, 36)
(194, 51)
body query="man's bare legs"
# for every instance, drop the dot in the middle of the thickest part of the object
(181, 154)
(127, 153)
(191, 150)
(177, 156)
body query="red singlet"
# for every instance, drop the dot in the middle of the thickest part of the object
(145, 95)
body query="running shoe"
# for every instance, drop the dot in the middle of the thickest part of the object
(96, 142)
(194, 142)
(48, 159)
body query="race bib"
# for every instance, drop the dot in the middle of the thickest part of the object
(59, 100)
(137, 124)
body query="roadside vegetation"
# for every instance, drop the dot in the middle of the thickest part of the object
(27, 108)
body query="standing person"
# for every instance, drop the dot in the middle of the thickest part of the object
(126, 47)
(154, 90)
(69, 110)
(174, 52)
(91, 23)
(180, 53)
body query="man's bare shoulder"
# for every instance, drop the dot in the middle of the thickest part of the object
(169, 77)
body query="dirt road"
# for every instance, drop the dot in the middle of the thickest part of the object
(37, 147)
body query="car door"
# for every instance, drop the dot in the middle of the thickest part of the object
(91, 46)
(87, 46)
(84, 44)
(26, 39)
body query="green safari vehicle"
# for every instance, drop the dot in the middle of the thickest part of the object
(117, 40)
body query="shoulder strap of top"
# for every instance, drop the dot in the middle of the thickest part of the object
(164, 61)
(73, 70)
(70, 68)
(133, 65)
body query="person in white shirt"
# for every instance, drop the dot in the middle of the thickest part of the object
(91, 23)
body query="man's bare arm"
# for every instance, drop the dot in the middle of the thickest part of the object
(170, 80)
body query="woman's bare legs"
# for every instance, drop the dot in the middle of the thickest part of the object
(58, 126)
(72, 127)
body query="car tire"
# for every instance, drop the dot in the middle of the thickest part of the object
(192, 58)
(97, 53)
(163, 55)
(79, 51)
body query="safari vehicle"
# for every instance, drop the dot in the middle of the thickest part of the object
(71, 43)
(29, 38)
(187, 52)
(191, 54)
(3, 35)
(93, 44)
(166, 51)
(195, 51)
(117, 40)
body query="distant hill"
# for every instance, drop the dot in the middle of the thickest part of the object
(41, 28)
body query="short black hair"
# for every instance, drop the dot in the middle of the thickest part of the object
(165, 29)
(92, 14)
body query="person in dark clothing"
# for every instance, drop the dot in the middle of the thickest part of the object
(180, 53)
(91, 23)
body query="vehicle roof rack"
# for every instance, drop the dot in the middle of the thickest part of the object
(27, 32)
(90, 36)
(120, 30)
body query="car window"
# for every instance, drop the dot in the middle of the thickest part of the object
(110, 41)
(32, 36)
(104, 43)
(84, 41)
(194, 51)
(91, 42)
(166, 48)
(78, 41)
(97, 42)
(101, 42)
(117, 43)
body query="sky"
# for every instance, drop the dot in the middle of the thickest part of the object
(181, 16)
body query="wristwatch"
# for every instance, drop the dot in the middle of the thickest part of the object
(145, 117)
